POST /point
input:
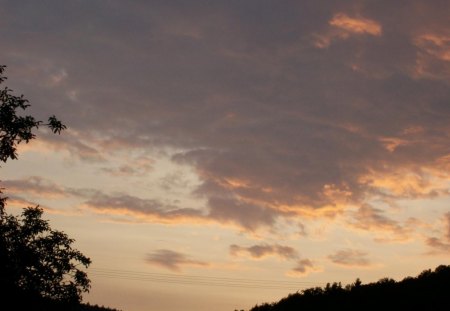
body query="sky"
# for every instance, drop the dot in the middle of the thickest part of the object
(221, 154)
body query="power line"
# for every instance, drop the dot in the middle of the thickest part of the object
(201, 280)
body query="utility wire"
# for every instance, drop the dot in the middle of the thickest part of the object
(201, 280)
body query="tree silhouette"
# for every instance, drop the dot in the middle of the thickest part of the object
(428, 291)
(14, 128)
(37, 263)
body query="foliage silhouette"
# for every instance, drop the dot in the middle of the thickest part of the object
(14, 128)
(39, 269)
(38, 260)
(428, 291)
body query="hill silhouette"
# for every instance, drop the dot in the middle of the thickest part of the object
(430, 290)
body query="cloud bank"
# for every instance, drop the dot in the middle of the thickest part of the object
(284, 111)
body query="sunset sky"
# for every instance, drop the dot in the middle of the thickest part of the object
(221, 154)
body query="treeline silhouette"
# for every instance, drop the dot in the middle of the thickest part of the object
(17, 299)
(430, 290)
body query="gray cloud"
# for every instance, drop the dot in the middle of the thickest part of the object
(438, 244)
(373, 219)
(263, 250)
(35, 185)
(303, 267)
(139, 166)
(350, 257)
(242, 91)
(227, 210)
(172, 260)
(147, 207)
(247, 215)
(441, 244)
(447, 220)
(41, 187)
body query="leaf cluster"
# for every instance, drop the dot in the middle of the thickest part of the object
(38, 260)
(15, 128)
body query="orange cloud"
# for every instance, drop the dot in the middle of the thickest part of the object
(404, 183)
(433, 56)
(392, 143)
(343, 26)
(357, 25)
(436, 45)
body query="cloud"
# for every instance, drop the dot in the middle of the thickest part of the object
(36, 185)
(447, 220)
(442, 244)
(42, 187)
(343, 26)
(350, 258)
(172, 260)
(371, 219)
(224, 212)
(264, 250)
(149, 210)
(146, 209)
(303, 268)
(272, 126)
(247, 215)
(433, 56)
(19, 202)
(438, 245)
(405, 184)
(139, 166)
(74, 143)
(358, 25)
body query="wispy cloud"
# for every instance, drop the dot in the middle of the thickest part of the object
(438, 245)
(358, 25)
(35, 185)
(139, 166)
(441, 244)
(146, 209)
(263, 250)
(342, 26)
(433, 57)
(350, 258)
(40, 187)
(303, 268)
(372, 219)
(172, 260)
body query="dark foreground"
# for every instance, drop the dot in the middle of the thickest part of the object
(19, 300)
(428, 291)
